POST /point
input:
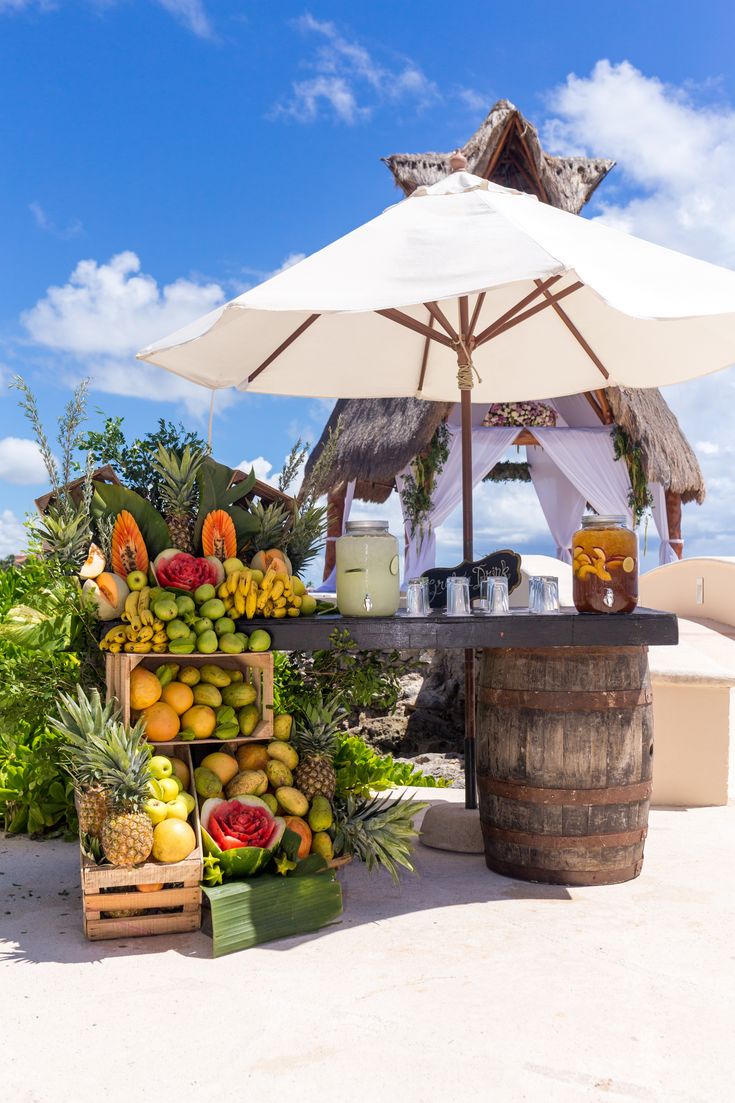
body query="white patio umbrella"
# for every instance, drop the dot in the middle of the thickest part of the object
(467, 285)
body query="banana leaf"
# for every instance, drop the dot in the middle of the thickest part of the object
(216, 491)
(245, 913)
(109, 499)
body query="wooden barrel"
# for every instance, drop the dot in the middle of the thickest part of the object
(564, 762)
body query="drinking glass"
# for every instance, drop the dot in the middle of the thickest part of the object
(417, 597)
(458, 596)
(543, 594)
(494, 596)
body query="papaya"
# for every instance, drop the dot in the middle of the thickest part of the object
(218, 535)
(129, 552)
(302, 829)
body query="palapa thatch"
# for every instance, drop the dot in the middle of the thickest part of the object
(506, 149)
(379, 436)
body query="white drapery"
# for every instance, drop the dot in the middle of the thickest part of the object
(561, 502)
(666, 553)
(329, 584)
(488, 446)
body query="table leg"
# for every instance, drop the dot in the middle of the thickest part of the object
(470, 706)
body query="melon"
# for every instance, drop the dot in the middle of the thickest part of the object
(167, 553)
(94, 564)
(129, 552)
(218, 568)
(241, 838)
(106, 592)
(273, 558)
(218, 535)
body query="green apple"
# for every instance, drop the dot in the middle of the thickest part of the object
(156, 810)
(188, 801)
(169, 787)
(177, 810)
(155, 790)
(137, 580)
(161, 766)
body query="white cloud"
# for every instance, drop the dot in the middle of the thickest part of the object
(350, 82)
(677, 158)
(13, 536)
(262, 466)
(192, 14)
(21, 462)
(44, 222)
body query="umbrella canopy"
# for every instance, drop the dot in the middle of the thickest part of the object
(598, 307)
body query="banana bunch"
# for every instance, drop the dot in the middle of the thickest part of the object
(250, 593)
(142, 631)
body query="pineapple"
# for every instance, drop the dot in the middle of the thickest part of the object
(82, 725)
(273, 524)
(316, 731)
(127, 833)
(377, 830)
(178, 492)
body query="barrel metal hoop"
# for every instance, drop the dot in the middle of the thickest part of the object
(580, 877)
(566, 700)
(531, 794)
(564, 842)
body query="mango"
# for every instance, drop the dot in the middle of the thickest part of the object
(321, 817)
(278, 773)
(250, 783)
(292, 801)
(282, 725)
(248, 719)
(207, 643)
(206, 694)
(224, 625)
(214, 609)
(177, 630)
(189, 675)
(236, 675)
(322, 844)
(184, 604)
(207, 783)
(203, 624)
(308, 605)
(271, 801)
(203, 593)
(240, 695)
(253, 757)
(215, 675)
(165, 609)
(283, 752)
(232, 565)
(259, 640)
(232, 643)
(221, 764)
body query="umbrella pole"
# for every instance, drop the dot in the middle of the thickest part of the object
(470, 786)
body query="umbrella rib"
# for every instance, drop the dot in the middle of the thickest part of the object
(476, 313)
(574, 331)
(283, 346)
(436, 312)
(486, 334)
(425, 357)
(501, 327)
(406, 320)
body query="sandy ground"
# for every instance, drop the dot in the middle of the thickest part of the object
(460, 984)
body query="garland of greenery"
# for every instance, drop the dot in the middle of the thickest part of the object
(508, 471)
(640, 498)
(420, 483)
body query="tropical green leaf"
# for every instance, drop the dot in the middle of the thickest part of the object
(216, 492)
(109, 499)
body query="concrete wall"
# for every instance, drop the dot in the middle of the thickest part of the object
(701, 588)
(691, 755)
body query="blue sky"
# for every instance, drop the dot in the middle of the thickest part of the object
(159, 156)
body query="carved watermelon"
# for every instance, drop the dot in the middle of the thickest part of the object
(218, 535)
(241, 833)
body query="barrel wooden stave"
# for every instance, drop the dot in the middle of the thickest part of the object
(565, 743)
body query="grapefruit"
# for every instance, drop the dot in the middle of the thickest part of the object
(222, 764)
(145, 689)
(179, 696)
(200, 719)
(161, 723)
(173, 840)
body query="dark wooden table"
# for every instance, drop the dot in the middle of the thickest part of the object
(567, 628)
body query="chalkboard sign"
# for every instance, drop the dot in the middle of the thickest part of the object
(499, 564)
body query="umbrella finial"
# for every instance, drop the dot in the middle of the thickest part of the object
(458, 161)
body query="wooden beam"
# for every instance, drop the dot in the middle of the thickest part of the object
(464, 317)
(406, 320)
(603, 400)
(476, 313)
(490, 167)
(425, 357)
(543, 194)
(284, 345)
(550, 300)
(436, 312)
(575, 332)
(487, 333)
(526, 437)
(595, 406)
(673, 516)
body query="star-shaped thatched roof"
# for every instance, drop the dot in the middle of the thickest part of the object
(506, 149)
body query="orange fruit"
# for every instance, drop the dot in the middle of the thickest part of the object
(161, 722)
(181, 770)
(200, 719)
(150, 888)
(222, 764)
(254, 757)
(178, 696)
(301, 827)
(145, 689)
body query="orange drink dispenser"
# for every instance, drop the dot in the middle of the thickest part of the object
(605, 566)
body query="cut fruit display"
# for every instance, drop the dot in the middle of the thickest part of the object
(129, 552)
(218, 535)
(107, 594)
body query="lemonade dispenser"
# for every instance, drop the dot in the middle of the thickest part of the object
(367, 570)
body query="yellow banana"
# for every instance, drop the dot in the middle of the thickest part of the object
(293, 612)
(115, 648)
(277, 589)
(131, 603)
(159, 648)
(295, 602)
(232, 582)
(145, 634)
(279, 602)
(144, 599)
(251, 602)
(244, 584)
(160, 637)
(222, 590)
(146, 616)
(268, 609)
(158, 626)
(137, 648)
(278, 613)
(240, 604)
(270, 575)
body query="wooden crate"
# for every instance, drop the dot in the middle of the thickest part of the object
(257, 668)
(108, 888)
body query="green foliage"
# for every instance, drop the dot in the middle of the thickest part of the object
(360, 770)
(364, 679)
(46, 645)
(640, 498)
(509, 471)
(109, 499)
(420, 483)
(133, 461)
(217, 491)
(290, 686)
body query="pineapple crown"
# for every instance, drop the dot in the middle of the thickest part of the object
(378, 830)
(178, 475)
(82, 724)
(317, 725)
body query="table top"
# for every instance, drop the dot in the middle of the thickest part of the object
(567, 628)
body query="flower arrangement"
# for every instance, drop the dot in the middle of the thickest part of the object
(520, 413)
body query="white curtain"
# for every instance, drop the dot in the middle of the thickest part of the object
(488, 446)
(561, 502)
(587, 458)
(329, 585)
(666, 553)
